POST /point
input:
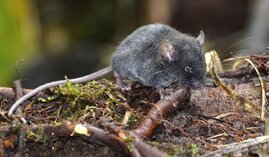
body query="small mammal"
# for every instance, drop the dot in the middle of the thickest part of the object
(154, 55)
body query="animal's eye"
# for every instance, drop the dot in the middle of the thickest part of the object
(188, 69)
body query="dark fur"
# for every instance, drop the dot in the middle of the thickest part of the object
(138, 58)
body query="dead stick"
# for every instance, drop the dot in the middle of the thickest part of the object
(155, 115)
(18, 89)
(146, 150)
(106, 137)
(240, 146)
(9, 92)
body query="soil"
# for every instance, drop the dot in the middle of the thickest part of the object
(210, 120)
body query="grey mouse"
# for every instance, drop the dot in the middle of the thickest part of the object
(154, 55)
(157, 55)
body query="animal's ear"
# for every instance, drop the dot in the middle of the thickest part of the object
(201, 38)
(167, 50)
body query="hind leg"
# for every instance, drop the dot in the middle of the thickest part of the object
(120, 83)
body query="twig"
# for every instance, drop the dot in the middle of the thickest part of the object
(106, 137)
(238, 73)
(19, 93)
(248, 105)
(264, 100)
(146, 150)
(18, 89)
(9, 92)
(2, 150)
(240, 146)
(155, 115)
(22, 141)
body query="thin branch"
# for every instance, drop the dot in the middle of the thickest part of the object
(155, 115)
(238, 147)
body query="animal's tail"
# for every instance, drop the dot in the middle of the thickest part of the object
(83, 79)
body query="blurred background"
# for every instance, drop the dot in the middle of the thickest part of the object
(42, 41)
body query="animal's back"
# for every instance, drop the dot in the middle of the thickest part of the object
(138, 56)
(137, 52)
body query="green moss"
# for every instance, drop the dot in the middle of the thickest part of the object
(78, 102)
(37, 135)
(48, 99)
(130, 143)
(91, 101)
